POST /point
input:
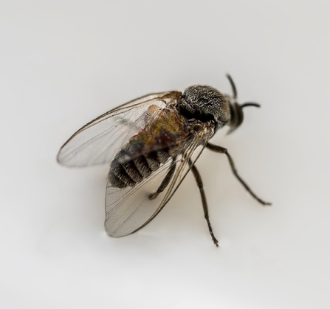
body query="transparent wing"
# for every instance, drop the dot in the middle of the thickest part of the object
(99, 140)
(129, 209)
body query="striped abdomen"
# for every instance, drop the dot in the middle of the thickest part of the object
(127, 174)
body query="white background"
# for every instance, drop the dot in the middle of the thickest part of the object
(62, 63)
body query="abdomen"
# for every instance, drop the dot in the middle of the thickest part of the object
(128, 173)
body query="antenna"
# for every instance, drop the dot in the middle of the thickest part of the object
(250, 104)
(233, 87)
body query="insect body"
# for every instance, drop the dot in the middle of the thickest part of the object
(150, 148)
(151, 144)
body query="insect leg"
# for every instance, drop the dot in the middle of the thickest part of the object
(165, 181)
(220, 149)
(204, 202)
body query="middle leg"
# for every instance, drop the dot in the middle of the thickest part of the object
(203, 196)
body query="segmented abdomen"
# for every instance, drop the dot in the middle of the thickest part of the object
(124, 174)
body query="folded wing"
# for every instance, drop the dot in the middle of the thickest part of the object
(129, 209)
(98, 141)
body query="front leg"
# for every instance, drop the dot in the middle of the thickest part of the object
(220, 149)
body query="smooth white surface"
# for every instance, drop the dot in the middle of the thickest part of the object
(62, 63)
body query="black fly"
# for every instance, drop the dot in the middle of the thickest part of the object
(151, 144)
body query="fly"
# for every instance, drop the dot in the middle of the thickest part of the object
(151, 144)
